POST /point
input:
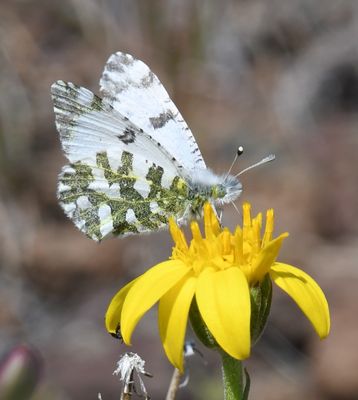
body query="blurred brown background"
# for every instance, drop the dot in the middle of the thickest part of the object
(274, 76)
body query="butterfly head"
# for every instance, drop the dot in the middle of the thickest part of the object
(227, 191)
(219, 189)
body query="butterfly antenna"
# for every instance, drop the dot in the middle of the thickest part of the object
(234, 205)
(239, 151)
(265, 160)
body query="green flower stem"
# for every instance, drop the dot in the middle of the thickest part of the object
(236, 380)
(233, 378)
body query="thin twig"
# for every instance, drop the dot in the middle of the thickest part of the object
(174, 385)
(128, 388)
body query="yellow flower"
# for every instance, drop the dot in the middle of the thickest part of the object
(219, 269)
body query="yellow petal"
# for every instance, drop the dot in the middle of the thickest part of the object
(177, 235)
(268, 228)
(173, 317)
(211, 222)
(113, 314)
(267, 256)
(256, 233)
(195, 231)
(146, 291)
(224, 303)
(246, 210)
(306, 293)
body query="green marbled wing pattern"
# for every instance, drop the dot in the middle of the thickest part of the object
(102, 201)
(119, 180)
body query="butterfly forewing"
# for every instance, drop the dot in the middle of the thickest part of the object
(119, 180)
(135, 91)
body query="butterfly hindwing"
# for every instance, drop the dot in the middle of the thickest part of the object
(119, 180)
(136, 92)
(104, 202)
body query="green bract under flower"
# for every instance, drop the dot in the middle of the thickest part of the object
(218, 269)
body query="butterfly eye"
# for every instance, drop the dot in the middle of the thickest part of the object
(240, 150)
(217, 192)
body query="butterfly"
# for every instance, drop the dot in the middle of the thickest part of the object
(133, 161)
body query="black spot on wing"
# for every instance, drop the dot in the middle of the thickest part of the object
(125, 59)
(117, 61)
(162, 119)
(128, 136)
(114, 65)
(147, 80)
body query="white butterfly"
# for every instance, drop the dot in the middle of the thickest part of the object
(133, 160)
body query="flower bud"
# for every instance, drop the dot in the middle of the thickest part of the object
(19, 373)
